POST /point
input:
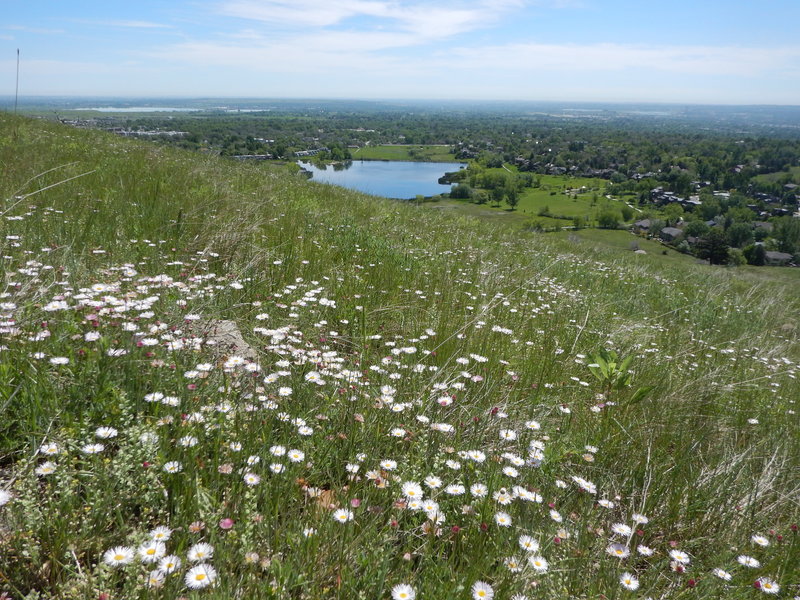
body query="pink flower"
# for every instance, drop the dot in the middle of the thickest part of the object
(226, 523)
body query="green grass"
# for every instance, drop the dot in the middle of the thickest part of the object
(624, 241)
(793, 173)
(378, 332)
(562, 198)
(409, 152)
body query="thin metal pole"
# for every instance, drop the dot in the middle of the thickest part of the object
(16, 93)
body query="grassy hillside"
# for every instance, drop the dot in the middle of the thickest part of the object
(415, 398)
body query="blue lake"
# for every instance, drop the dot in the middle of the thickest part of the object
(388, 178)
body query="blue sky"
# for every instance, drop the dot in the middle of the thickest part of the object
(680, 51)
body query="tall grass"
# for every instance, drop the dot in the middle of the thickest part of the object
(392, 333)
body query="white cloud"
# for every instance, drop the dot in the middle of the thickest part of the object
(136, 24)
(423, 20)
(689, 60)
(302, 56)
(303, 13)
(364, 50)
(37, 30)
(377, 64)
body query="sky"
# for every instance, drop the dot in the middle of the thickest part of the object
(676, 51)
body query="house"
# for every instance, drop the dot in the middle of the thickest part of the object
(642, 226)
(661, 197)
(777, 258)
(762, 225)
(669, 234)
(691, 203)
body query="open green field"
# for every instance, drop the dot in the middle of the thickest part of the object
(624, 241)
(405, 152)
(561, 197)
(220, 380)
(793, 173)
(567, 197)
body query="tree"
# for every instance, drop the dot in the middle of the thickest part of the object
(736, 258)
(627, 212)
(755, 255)
(787, 233)
(656, 225)
(608, 219)
(741, 214)
(695, 229)
(512, 191)
(462, 191)
(710, 208)
(673, 214)
(497, 196)
(740, 234)
(713, 247)
(512, 198)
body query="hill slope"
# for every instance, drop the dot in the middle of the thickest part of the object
(413, 394)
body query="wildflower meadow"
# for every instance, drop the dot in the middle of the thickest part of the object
(219, 380)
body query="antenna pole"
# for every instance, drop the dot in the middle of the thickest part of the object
(16, 93)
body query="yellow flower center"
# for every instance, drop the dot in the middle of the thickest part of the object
(118, 556)
(200, 576)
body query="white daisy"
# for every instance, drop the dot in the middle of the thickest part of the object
(200, 576)
(169, 564)
(151, 551)
(482, 591)
(403, 591)
(200, 552)
(118, 556)
(343, 515)
(629, 582)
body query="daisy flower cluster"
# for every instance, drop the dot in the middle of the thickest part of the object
(153, 553)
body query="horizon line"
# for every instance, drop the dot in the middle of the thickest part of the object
(31, 97)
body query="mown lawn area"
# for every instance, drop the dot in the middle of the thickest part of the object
(405, 152)
(555, 202)
(793, 172)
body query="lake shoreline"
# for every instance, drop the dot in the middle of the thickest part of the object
(401, 180)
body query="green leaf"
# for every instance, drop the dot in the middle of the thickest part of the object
(640, 394)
